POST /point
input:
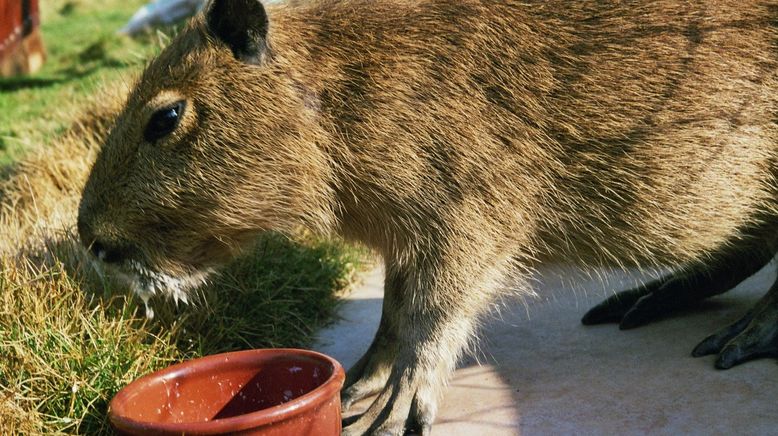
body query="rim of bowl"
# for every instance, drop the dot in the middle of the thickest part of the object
(297, 406)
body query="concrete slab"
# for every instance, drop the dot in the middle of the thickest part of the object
(542, 372)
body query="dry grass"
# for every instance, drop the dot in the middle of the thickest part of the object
(69, 341)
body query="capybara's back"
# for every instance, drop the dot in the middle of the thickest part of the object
(605, 133)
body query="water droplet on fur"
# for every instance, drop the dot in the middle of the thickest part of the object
(149, 310)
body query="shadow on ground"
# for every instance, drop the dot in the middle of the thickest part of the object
(542, 372)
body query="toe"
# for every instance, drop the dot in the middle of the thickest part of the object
(601, 314)
(614, 308)
(730, 356)
(422, 412)
(713, 344)
(759, 339)
(609, 311)
(347, 399)
(642, 312)
(362, 389)
(710, 345)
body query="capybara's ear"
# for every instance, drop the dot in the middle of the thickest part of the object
(242, 25)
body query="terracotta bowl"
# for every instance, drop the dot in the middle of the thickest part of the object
(266, 392)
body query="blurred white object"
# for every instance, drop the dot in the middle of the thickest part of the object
(161, 12)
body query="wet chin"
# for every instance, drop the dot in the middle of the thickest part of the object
(146, 282)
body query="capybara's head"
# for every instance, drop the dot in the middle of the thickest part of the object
(216, 143)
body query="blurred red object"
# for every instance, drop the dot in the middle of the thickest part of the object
(21, 45)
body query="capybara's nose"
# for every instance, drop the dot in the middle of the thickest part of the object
(110, 253)
(104, 250)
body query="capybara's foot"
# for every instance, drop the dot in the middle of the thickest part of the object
(646, 303)
(367, 377)
(406, 404)
(754, 335)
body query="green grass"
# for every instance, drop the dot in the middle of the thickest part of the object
(70, 339)
(68, 342)
(84, 54)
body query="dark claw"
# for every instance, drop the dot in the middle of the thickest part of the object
(419, 420)
(709, 345)
(614, 308)
(755, 335)
(419, 425)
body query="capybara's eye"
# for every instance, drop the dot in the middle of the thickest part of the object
(163, 122)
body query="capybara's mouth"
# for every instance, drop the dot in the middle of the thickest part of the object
(147, 282)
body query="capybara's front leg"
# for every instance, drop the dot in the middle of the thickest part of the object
(435, 311)
(369, 375)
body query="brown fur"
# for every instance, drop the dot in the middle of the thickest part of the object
(464, 141)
